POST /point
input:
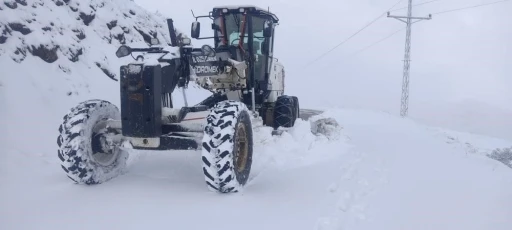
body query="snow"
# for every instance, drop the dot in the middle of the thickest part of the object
(382, 168)
(134, 69)
(380, 172)
(234, 7)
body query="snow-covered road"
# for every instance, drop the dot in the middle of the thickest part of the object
(384, 172)
(408, 176)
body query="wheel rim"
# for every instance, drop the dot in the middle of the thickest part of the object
(104, 148)
(241, 148)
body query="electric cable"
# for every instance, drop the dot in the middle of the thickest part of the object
(419, 4)
(377, 42)
(395, 32)
(353, 35)
(470, 7)
(441, 12)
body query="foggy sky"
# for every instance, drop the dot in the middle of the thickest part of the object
(455, 56)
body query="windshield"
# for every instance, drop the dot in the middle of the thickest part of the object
(234, 26)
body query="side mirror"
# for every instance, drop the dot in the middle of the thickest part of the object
(196, 28)
(267, 29)
(123, 51)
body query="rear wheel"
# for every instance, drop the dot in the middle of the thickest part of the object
(227, 147)
(285, 111)
(297, 107)
(90, 151)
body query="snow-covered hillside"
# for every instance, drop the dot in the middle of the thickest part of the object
(383, 172)
(56, 53)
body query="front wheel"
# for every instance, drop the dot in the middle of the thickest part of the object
(227, 147)
(90, 151)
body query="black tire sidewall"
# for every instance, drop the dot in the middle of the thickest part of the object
(218, 147)
(284, 112)
(245, 119)
(75, 139)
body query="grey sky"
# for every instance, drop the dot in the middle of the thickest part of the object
(455, 56)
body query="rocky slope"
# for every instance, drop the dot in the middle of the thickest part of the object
(75, 32)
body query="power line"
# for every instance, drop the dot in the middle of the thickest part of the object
(394, 33)
(377, 42)
(353, 35)
(405, 83)
(419, 4)
(470, 7)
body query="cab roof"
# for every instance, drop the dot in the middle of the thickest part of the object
(250, 8)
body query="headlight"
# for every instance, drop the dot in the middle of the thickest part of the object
(186, 41)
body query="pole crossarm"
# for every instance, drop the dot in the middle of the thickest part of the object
(420, 18)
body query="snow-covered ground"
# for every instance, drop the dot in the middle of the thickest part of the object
(383, 172)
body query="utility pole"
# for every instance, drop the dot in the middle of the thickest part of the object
(405, 81)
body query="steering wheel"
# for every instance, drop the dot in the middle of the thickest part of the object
(237, 39)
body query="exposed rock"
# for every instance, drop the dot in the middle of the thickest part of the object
(47, 54)
(112, 24)
(146, 37)
(108, 39)
(19, 55)
(125, 29)
(3, 39)
(22, 2)
(75, 54)
(64, 69)
(12, 5)
(87, 18)
(20, 28)
(59, 3)
(120, 38)
(79, 34)
(3, 36)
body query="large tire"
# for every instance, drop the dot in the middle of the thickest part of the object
(285, 112)
(296, 106)
(85, 156)
(227, 147)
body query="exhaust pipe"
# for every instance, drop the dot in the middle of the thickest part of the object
(172, 32)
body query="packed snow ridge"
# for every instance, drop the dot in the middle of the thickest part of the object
(76, 31)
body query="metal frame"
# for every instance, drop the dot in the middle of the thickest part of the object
(144, 93)
(404, 107)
